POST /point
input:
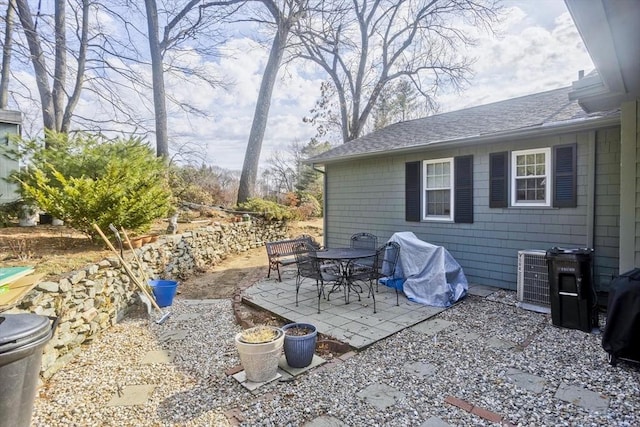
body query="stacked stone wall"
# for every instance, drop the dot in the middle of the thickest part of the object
(92, 299)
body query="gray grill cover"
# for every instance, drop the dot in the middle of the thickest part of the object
(433, 276)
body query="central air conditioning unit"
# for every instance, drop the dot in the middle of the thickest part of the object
(533, 281)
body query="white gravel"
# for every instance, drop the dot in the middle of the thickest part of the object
(194, 390)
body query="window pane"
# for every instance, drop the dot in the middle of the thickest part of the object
(430, 169)
(540, 158)
(438, 169)
(446, 168)
(539, 169)
(520, 171)
(520, 160)
(437, 202)
(531, 158)
(531, 189)
(531, 170)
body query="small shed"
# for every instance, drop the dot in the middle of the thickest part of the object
(10, 124)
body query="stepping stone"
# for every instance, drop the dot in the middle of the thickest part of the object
(380, 396)
(325, 421)
(132, 395)
(434, 422)
(158, 356)
(172, 335)
(199, 301)
(481, 291)
(580, 396)
(463, 335)
(186, 317)
(499, 344)
(241, 377)
(432, 327)
(421, 369)
(316, 361)
(526, 380)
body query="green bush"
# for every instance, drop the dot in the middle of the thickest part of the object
(272, 211)
(98, 181)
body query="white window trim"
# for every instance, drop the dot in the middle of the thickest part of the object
(426, 217)
(548, 187)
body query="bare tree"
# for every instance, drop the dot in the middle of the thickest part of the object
(373, 42)
(58, 102)
(283, 15)
(183, 23)
(6, 54)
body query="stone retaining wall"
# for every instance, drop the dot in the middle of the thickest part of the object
(90, 300)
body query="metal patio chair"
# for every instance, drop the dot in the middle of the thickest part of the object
(364, 241)
(309, 267)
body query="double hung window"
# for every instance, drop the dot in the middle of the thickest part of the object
(438, 189)
(531, 177)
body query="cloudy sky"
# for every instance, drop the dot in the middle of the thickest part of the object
(540, 50)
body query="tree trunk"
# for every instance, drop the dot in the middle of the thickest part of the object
(60, 70)
(6, 56)
(254, 146)
(82, 61)
(39, 66)
(162, 142)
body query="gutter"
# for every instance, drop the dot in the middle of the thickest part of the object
(578, 125)
(325, 223)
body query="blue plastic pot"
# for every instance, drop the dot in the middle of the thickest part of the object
(299, 350)
(164, 291)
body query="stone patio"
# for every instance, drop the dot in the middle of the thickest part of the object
(355, 323)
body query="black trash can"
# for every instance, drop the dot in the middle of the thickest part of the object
(571, 291)
(22, 338)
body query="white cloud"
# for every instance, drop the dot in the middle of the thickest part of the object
(529, 58)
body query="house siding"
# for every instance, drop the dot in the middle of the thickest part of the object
(7, 166)
(369, 195)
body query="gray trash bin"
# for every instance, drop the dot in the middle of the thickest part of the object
(22, 338)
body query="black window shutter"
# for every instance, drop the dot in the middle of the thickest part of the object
(412, 191)
(463, 189)
(564, 176)
(498, 179)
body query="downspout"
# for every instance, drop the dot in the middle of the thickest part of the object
(324, 203)
(591, 188)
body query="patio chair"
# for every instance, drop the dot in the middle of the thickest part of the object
(365, 271)
(364, 241)
(388, 255)
(309, 267)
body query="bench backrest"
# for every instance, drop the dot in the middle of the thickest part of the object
(286, 247)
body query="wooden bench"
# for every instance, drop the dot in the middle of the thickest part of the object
(282, 252)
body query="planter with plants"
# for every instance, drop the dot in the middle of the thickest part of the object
(299, 344)
(260, 348)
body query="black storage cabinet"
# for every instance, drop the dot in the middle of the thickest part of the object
(571, 292)
(22, 338)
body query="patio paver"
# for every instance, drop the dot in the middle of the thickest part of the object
(354, 323)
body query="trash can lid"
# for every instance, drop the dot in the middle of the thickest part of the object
(17, 330)
(571, 251)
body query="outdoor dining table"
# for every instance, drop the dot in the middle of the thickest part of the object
(343, 257)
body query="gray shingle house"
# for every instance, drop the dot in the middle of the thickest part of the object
(532, 172)
(10, 122)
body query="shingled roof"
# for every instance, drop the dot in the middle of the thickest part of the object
(526, 114)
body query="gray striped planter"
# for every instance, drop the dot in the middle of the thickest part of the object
(299, 350)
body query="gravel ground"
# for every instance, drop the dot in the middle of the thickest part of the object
(194, 390)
